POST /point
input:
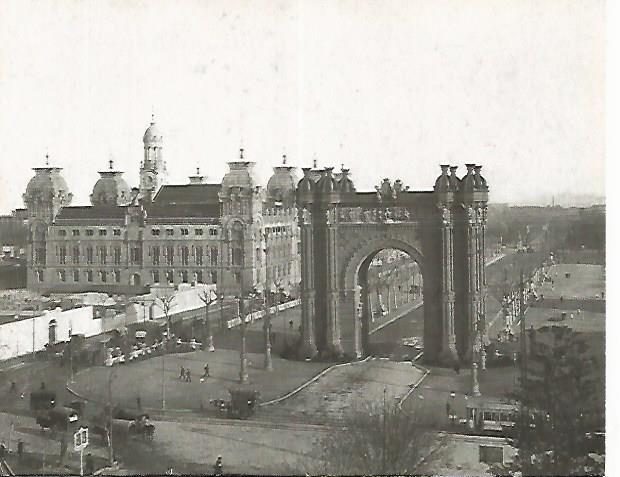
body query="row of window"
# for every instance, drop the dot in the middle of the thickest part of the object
(114, 276)
(135, 255)
(170, 232)
(185, 275)
(89, 232)
(277, 229)
(103, 276)
(213, 232)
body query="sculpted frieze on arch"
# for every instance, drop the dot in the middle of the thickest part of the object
(350, 240)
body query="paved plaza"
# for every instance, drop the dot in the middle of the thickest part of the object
(154, 378)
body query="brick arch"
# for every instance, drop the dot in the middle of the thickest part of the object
(353, 262)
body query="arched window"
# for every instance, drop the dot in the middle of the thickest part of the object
(51, 329)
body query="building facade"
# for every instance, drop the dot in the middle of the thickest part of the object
(236, 234)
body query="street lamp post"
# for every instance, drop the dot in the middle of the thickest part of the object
(267, 333)
(267, 317)
(243, 365)
(278, 283)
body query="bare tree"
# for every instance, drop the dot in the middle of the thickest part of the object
(208, 296)
(374, 440)
(385, 279)
(166, 303)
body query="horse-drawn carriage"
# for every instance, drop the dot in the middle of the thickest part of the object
(125, 425)
(49, 415)
(242, 404)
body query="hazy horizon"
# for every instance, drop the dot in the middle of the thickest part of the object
(389, 89)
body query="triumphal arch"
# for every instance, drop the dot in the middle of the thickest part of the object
(343, 229)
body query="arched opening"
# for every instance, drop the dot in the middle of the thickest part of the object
(381, 311)
(136, 280)
(51, 332)
(390, 293)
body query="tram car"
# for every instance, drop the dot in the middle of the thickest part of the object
(49, 415)
(490, 417)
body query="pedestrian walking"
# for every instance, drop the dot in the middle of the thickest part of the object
(188, 376)
(13, 387)
(457, 368)
(182, 375)
(206, 374)
(448, 409)
(139, 402)
(218, 468)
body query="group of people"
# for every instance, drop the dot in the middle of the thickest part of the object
(186, 374)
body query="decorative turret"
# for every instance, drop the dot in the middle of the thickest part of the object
(111, 188)
(443, 184)
(306, 188)
(480, 181)
(346, 184)
(474, 187)
(469, 181)
(46, 193)
(327, 187)
(455, 182)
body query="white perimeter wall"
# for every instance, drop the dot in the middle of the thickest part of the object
(16, 338)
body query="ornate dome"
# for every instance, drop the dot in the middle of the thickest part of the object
(152, 135)
(46, 185)
(283, 182)
(241, 175)
(111, 189)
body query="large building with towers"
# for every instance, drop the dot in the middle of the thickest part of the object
(233, 233)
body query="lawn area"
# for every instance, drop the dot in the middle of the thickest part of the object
(582, 322)
(586, 281)
(145, 379)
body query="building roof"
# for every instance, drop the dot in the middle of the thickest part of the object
(187, 194)
(188, 213)
(90, 212)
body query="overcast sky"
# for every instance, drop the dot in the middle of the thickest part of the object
(389, 88)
